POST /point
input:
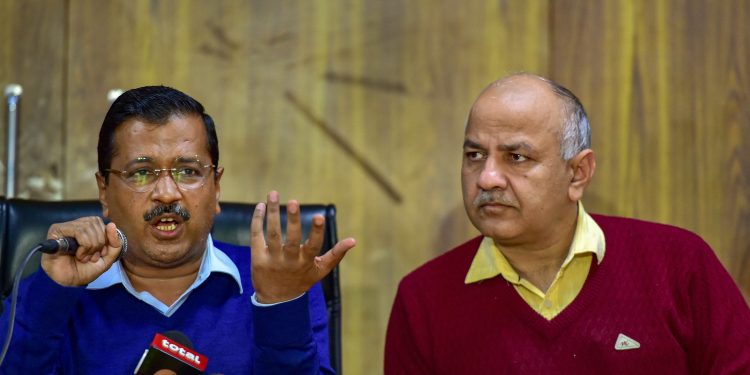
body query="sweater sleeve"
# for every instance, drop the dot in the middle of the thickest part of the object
(292, 337)
(407, 339)
(42, 313)
(720, 318)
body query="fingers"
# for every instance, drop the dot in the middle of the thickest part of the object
(331, 258)
(90, 240)
(275, 241)
(293, 226)
(282, 268)
(273, 222)
(315, 238)
(257, 240)
(88, 233)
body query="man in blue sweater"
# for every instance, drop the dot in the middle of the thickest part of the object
(248, 312)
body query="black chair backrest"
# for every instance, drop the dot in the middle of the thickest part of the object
(24, 224)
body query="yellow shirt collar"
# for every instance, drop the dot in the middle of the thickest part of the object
(489, 260)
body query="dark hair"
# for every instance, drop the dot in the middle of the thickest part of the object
(154, 105)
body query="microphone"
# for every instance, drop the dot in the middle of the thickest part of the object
(69, 245)
(66, 245)
(171, 351)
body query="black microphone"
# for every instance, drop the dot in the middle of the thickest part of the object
(171, 351)
(69, 245)
(66, 245)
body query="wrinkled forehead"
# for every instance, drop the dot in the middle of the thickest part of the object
(517, 102)
(180, 137)
(522, 92)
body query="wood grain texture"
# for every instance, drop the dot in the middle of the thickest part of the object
(357, 103)
(32, 54)
(362, 104)
(666, 84)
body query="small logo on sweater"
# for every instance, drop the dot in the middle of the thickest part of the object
(626, 343)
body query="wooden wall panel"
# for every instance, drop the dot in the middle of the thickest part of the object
(32, 54)
(357, 103)
(666, 84)
(362, 104)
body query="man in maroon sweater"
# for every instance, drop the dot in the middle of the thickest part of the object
(548, 288)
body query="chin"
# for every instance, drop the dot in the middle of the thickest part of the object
(167, 255)
(166, 260)
(498, 230)
(500, 233)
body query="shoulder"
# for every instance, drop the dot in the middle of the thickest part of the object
(449, 268)
(236, 253)
(240, 256)
(654, 241)
(617, 223)
(636, 228)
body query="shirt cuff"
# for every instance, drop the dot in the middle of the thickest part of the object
(256, 303)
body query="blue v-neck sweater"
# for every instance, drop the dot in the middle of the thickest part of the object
(64, 330)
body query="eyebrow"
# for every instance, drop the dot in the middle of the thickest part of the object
(515, 147)
(139, 159)
(148, 159)
(187, 159)
(502, 147)
(468, 143)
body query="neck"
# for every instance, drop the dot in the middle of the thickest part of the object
(540, 262)
(165, 284)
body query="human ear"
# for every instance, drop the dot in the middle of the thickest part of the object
(217, 178)
(583, 166)
(102, 185)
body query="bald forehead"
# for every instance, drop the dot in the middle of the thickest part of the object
(519, 95)
(519, 89)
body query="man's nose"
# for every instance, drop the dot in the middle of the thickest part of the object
(492, 176)
(165, 188)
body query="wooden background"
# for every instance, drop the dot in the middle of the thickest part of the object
(362, 104)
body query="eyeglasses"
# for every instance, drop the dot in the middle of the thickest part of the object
(188, 174)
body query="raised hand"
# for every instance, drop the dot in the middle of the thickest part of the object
(284, 270)
(98, 247)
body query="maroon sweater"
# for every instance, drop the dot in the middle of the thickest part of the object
(659, 285)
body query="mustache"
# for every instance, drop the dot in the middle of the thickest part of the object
(173, 208)
(492, 196)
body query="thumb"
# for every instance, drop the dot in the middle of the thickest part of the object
(331, 258)
(114, 244)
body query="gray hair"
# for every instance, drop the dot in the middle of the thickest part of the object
(575, 135)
